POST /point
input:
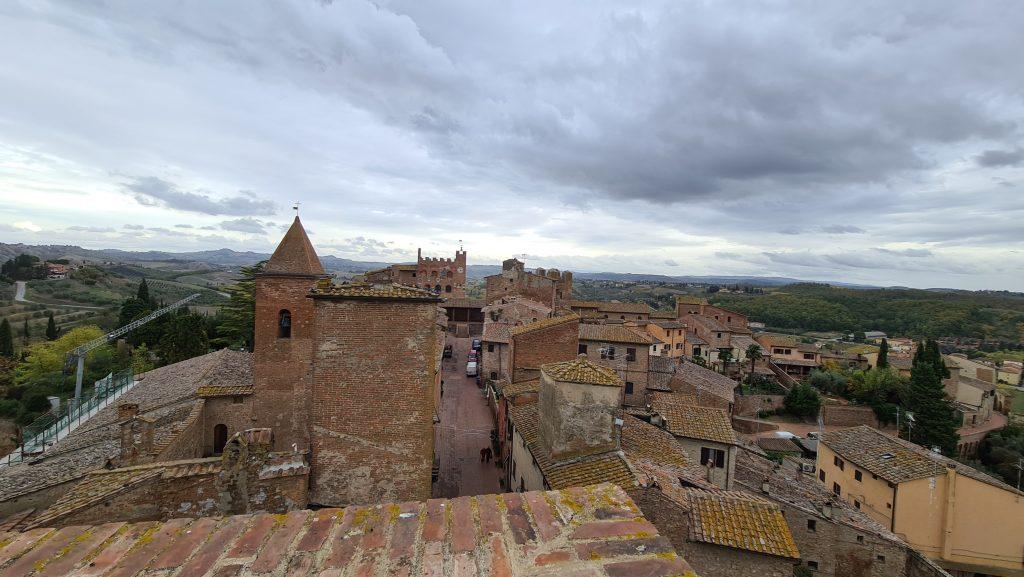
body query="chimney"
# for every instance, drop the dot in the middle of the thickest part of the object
(127, 411)
(136, 436)
(577, 404)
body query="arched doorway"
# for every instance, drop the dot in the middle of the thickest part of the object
(220, 438)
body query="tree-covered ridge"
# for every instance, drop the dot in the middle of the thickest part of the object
(905, 312)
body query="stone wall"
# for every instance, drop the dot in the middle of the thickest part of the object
(750, 405)
(752, 426)
(714, 561)
(551, 344)
(187, 443)
(236, 413)
(282, 367)
(373, 390)
(520, 283)
(920, 566)
(849, 416)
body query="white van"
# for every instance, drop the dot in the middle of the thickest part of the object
(471, 369)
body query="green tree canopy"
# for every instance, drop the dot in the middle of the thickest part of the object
(47, 358)
(6, 340)
(184, 337)
(883, 355)
(51, 327)
(935, 423)
(803, 401)
(238, 318)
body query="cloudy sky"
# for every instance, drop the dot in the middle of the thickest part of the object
(873, 142)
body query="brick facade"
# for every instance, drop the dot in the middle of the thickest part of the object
(849, 416)
(282, 367)
(446, 276)
(532, 348)
(374, 383)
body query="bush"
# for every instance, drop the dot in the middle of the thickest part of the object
(9, 408)
(829, 382)
(803, 401)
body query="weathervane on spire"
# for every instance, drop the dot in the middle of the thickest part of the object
(295, 207)
(460, 245)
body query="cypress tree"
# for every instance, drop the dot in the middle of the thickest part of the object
(883, 355)
(24, 332)
(6, 340)
(51, 327)
(144, 296)
(934, 419)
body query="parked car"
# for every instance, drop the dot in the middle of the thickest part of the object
(472, 356)
(447, 351)
(471, 369)
(477, 345)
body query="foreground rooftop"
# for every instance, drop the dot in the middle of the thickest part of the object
(592, 531)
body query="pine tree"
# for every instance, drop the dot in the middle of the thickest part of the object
(6, 340)
(883, 355)
(51, 327)
(934, 419)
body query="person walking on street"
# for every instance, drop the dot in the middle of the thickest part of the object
(483, 454)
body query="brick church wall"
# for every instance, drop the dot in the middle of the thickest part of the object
(373, 391)
(282, 367)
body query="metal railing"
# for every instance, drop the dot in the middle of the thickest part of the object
(46, 430)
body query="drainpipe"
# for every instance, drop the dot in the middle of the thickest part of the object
(947, 532)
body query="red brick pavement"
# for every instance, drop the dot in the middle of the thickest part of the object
(465, 428)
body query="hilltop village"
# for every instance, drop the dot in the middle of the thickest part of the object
(393, 426)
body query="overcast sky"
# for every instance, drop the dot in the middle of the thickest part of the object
(870, 142)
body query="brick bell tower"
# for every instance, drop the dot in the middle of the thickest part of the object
(283, 351)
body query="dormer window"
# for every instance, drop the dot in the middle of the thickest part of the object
(284, 324)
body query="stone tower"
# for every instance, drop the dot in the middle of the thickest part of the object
(283, 350)
(576, 406)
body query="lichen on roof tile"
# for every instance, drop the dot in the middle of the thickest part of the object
(543, 324)
(580, 370)
(365, 290)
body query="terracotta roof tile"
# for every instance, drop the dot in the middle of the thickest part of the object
(705, 380)
(521, 388)
(688, 420)
(580, 370)
(515, 534)
(740, 521)
(295, 255)
(543, 324)
(642, 441)
(497, 332)
(371, 291)
(778, 445)
(897, 460)
(614, 334)
(229, 391)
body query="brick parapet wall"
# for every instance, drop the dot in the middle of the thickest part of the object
(552, 344)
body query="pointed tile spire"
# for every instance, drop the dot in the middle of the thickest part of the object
(295, 255)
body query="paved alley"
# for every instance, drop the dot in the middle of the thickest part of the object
(465, 428)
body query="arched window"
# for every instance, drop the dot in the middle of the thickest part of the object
(447, 288)
(284, 324)
(220, 438)
(437, 288)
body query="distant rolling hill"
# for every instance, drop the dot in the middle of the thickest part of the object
(232, 259)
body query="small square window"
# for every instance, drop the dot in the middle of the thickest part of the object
(838, 462)
(812, 565)
(821, 475)
(629, 388)
(860, 539)
(812, 525)
(582, 349)
(837, 489)
(858, 476)
(490, 348)
(881, 558)
(856, 504)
